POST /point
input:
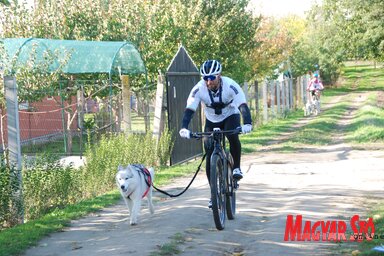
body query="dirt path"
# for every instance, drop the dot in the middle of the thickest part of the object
(335, 183)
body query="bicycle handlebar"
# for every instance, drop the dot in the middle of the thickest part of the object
(198, 135)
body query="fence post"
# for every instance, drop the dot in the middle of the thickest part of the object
(304, 89)
(273, 113)
(126, 93)
(147, 121)
(80, 115)
(282, 97)
(159, 118)
(257, 107)
(63, 119)
(245, 89)
(278, 93)
(290, 94)
(265, 101)
(14, 148)
(297, 92)
(286, 94)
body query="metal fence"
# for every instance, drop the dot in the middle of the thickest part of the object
(63, 121)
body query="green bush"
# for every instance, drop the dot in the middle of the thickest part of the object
(113, 150)
(11, 203)
(5, 195)
(48, 185)
(164, 147)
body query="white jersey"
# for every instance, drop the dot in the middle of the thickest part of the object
(315, 85)
(230, 94)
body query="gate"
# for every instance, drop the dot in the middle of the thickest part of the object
(181, 76)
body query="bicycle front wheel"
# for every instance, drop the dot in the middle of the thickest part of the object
(218, 190)
(231, 189)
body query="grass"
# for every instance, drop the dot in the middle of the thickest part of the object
(170, 248)
(368, 126)
(363, 77)
(317, 132)
(378, 218)
(15, 240)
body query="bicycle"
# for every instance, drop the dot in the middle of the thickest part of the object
(316, 102)
(223, 185)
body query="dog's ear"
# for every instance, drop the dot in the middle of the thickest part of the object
(119, 168)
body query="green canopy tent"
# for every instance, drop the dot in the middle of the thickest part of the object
(85, 56)
(114, 58)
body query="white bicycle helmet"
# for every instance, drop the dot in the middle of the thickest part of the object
(210, 68)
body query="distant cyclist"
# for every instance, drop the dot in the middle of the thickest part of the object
(315, 85)
(223, 101)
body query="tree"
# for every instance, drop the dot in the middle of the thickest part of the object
(221, 29)
(4, 2)
(276, 40)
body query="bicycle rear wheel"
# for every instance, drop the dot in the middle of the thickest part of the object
(231, 190)
(218, 191)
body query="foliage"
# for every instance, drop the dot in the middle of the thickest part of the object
(322, 43)
(48, 185)
(223, 28)
(275, 39)
(38, 74)
(114, 150)
(341, 30)
(5, 195)
(164, 147)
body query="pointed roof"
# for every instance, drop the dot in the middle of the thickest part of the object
(182, 62)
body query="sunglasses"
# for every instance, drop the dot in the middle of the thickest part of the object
(210, 78)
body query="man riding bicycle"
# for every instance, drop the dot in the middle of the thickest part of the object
(223, 101)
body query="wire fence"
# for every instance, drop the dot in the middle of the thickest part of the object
(66, 119)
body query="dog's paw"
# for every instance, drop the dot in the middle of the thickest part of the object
(133, 221)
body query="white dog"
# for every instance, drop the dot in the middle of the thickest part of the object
(135, 183)
(308, 108)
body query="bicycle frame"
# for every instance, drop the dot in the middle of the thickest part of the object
(222, 184)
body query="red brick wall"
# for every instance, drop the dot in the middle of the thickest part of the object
(42, 118)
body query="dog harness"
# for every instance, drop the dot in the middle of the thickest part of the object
(147, 176)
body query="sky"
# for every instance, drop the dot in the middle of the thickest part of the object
(281, 8)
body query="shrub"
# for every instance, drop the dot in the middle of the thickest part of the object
(48, 185)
